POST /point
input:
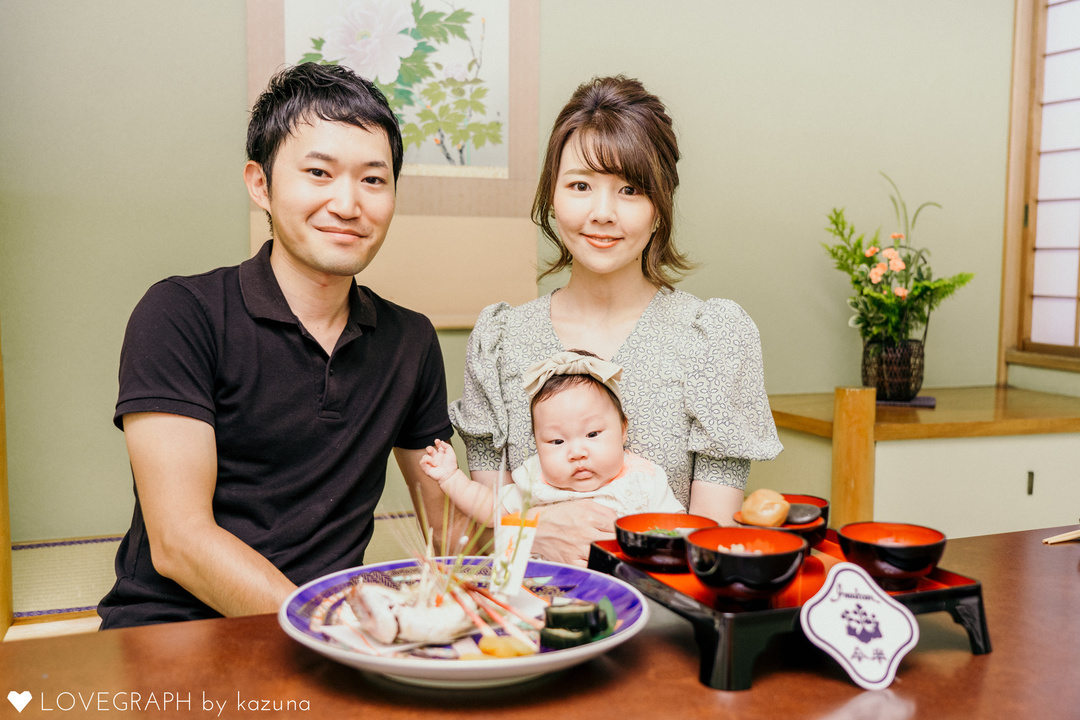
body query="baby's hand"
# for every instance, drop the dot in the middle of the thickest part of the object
(440, 462)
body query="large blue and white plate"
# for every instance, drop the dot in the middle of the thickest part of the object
(546, 577)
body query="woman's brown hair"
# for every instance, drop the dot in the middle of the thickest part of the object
(623, 130)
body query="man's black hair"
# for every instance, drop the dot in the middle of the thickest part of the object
(306, 92)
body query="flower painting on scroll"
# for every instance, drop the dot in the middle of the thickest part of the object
(443, 66)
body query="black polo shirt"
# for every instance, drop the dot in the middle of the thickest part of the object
(302, 438)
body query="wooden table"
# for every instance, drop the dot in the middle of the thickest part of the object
(1031, 593)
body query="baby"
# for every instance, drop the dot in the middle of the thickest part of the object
(580, 431)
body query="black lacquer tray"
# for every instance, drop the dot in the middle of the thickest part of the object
(730, 637)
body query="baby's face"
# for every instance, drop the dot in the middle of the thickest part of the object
(579, 437)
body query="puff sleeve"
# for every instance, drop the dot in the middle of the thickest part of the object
(480, 415)
(730, 420)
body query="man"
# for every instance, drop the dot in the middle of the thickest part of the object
(260, 402)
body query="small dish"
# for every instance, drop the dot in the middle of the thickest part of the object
(813, 531)
(769, 562)
(810, 500)
(647, 537)
(896, 555)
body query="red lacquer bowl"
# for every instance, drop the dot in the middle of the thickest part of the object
(646, 537)
(896, 555)
(768, 563)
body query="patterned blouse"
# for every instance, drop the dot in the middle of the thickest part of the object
(693, 388)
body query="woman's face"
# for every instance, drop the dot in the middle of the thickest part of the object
(604, 223)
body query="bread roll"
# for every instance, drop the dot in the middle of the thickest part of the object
(767, 508)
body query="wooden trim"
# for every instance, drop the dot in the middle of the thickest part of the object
(1049, 361)
(1010, 321)
(7, 602)
(801, 423)
(852, 497)
(54, 617)
(1047, 349)
(1031, 186)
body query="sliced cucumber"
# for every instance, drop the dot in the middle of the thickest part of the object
(578, 615)
(562, 638)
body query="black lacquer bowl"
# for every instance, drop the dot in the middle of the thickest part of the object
(896, 555)
(658, 539)
(767, 563)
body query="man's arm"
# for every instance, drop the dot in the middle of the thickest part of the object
(174, 459)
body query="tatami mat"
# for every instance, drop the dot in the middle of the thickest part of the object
(62, 576)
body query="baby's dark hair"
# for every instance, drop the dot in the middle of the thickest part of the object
(557, 383)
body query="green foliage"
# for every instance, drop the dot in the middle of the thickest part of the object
(894, 288)
(446, 111)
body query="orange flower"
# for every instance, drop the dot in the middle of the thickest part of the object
(897, 236)
(901, 293)
(871, 251)
(896, 265)
(877, 273)
(890, 253)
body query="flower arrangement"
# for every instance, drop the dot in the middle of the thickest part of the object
(895, 290)
(394, 43)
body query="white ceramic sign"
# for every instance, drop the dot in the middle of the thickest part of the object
(860, 625)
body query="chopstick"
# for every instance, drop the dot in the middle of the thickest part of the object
(1063, 537)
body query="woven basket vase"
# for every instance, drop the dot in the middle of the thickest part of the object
(895, 370)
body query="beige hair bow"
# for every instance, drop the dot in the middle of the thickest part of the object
(571, 363)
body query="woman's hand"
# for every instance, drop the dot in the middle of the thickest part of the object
(565, 530)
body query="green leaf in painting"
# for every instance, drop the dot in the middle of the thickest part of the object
(414, 69)
(433, 93)
(431, 27)
(459, 17)
(459, 136)
(411, 135)
(317, 44)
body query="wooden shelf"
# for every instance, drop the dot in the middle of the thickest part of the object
(960, 412)
(853, 422)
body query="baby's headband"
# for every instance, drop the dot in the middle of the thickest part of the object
(570, 363)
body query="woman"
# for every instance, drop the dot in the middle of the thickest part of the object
(693, 386)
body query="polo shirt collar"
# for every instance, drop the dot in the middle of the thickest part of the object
(263, 297)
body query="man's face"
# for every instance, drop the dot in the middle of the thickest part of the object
(331, 199)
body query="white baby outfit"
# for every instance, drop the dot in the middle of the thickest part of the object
(641, 486)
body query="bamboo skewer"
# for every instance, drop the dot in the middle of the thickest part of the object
(483, 627)
(1063, 537)
(509, 608)
(510, 628)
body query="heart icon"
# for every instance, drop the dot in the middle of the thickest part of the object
(19, 700)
